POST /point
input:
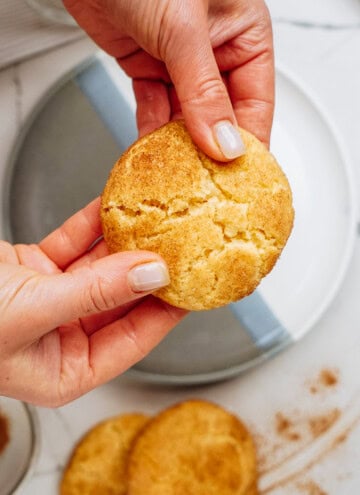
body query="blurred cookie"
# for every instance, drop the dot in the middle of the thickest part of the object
(220, 227)
(97, 465)
(196, 448)
(253, 490)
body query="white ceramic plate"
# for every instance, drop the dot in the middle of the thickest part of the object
(216, 344)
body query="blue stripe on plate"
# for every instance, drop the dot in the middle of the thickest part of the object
(259, 321)
(108, 102)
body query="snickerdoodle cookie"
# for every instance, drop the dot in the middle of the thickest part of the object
(97, 465)
(220, 227)
(195, 447)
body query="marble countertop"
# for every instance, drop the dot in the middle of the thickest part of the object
(319, 452)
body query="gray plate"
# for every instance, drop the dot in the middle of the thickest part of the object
(61, 162)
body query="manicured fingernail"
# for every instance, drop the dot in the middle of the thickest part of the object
(148, 276)
(229, 139)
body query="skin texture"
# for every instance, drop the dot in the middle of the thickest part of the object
(207, 61)
(69, 320)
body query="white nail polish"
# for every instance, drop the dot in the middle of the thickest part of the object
(148, 276)
(229, 139)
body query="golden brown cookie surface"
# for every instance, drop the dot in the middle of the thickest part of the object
(219, 227)
(97, 465)
(196, 448)
(253, 490)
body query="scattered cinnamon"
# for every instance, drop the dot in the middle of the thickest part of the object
(320, 424)
(296, 430)
(327, 378)
(341, 438)
(311, 488)
(285, 428)
(4, 432)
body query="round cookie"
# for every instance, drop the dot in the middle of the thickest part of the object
(193, 447)
(220, 227)
(98, 462)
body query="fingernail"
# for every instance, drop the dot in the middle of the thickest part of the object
(148, 276)
(229, 139)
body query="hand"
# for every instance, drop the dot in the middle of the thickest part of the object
(210, 61)
(71, 317)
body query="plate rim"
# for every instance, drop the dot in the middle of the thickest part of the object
(349, 177)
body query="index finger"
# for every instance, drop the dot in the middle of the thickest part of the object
(65, 244)
(251, 89)
(248, 62)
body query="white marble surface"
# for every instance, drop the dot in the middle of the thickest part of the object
(319, 41)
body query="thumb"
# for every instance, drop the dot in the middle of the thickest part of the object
(45, 302)
(203, 96)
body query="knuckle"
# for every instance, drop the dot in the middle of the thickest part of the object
(175, 26)
(97, 295)
(101, 296)
(207, 89)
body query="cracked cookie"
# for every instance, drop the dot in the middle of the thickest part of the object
(220, 227)
(195, 447)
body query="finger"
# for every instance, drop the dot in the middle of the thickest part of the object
(153, 107)
(176, 112)
(74, 237)
(39, 303)
(116, 347)
(99, 250)
(120, 345)
(251, 85)
(31, 256)
(91, 324)
(105, 29)
(254, 108)
(204, 100)
(93, 19)
(141, 65)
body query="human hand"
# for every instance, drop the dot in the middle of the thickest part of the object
(71, 317)
(210, 61)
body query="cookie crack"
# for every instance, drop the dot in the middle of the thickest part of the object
(274, 187)
(168, 209)
(211, 176)
(242, 236)
(249, 239)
